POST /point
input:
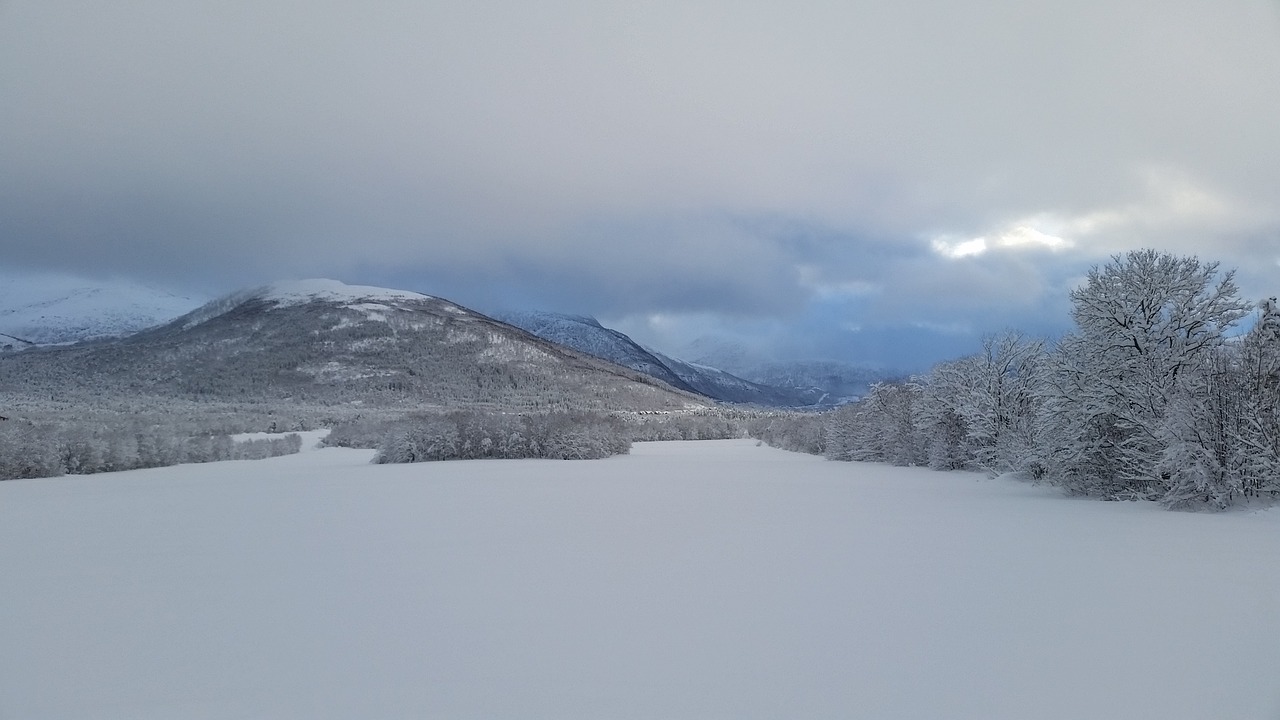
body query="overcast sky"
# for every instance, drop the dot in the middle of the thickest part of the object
(880, 181)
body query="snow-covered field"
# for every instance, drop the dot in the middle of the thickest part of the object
(687, 580)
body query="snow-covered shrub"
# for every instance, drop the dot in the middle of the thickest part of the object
(465, 435)
(723, 424)
(29, 450)
(880, 427)
(793, 431)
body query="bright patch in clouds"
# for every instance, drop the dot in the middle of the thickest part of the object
(1025, 235)
(1017, 235)
(1172, 210)
(959, 248)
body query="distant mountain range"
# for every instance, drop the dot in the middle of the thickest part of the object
(322, 341)
(50, 310)
(588, 335)
(329, 344)
(837, 382)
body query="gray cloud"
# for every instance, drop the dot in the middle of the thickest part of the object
(745, 160)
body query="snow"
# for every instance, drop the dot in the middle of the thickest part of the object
(311, 439)
(300, 292)
(694, 580)
(48, 309)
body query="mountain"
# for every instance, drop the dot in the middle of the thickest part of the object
(719, 352)
(39, 310)
(726, 386)
(587, 335)
(823, 382)
(324, 343)
(837, 382)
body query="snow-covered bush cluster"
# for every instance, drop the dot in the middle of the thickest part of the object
(468, 435)
(795, 431)
(476, 434)
(717, 424)
(1151, 396)
(31, 450)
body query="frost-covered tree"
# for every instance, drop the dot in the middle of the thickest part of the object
(993, 397)
(1258, 435)
(28, 450)
(940, 421)
(465, 435)
(1147, 324)
(1224, 436)
(881, 427)
(794, 431)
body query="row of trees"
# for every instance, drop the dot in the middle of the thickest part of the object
(32, 450)
(1152, 396)
(561, 435)
(469, 435)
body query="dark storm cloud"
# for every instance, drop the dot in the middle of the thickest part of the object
(914, 164)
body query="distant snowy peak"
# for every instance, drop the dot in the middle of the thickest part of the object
(294, 293)
(300, 292)
(544, 319)
(585, 334)
(52, 310)
(329, 343)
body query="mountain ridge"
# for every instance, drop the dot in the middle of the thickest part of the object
(586, 334)
(44, 310)
(336, 345)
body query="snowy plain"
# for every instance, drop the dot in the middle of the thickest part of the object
(701, 580)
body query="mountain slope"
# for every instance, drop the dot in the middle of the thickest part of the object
(55, 309)
(714, 382)
(839, 382)
(824, 382)
(326, 343)
(587, 335)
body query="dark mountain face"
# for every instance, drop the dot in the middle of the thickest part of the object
(330, 344)
(837, 381)
(587, 335)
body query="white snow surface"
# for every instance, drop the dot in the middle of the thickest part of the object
(44, 308)
(686, 580)
(311, 439)
(300, 292)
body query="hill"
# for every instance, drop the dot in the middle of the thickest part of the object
(324, 343)
(587, 335)
(44, 310)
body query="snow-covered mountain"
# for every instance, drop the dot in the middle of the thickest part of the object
(726, 386)
(839, 382)
(320, 342)
(718, 352)
(37, 310)
(587, 335)
(823, 382)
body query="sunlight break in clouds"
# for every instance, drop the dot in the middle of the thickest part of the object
(1171, 210)
(959, 248)
(1018, 235)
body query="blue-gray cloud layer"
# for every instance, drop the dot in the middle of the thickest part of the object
(918, 164)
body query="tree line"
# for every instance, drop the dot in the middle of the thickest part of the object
(471, 434)
(48, 449)
(1155, 395)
